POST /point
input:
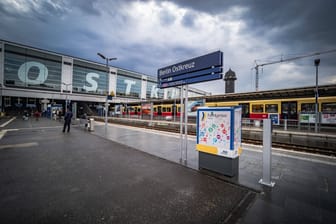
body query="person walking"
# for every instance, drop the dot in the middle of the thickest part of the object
(67, 120)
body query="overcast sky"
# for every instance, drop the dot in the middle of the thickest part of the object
(148, 35)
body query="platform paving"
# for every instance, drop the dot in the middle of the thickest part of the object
(305, 184)
(132, 175)
(47, 176)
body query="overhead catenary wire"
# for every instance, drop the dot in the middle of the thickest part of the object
(256, 67)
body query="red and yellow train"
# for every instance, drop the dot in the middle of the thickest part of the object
(256, 105)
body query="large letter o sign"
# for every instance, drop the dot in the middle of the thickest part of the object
(24, 69)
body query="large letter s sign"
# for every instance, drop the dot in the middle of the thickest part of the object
(24, 69)
(89, 79)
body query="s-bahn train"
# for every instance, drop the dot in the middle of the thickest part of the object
(288, 103)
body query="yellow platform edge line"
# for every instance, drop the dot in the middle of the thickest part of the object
(207, 149)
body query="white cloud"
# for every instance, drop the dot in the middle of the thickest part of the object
(18, 6)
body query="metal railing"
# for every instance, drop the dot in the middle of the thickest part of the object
(284, 124)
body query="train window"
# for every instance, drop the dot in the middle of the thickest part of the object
(168, 109)
(329, 107)
(7, 101)
(164, 109)
(179, 109)
(258, 108)
(154, 109)
(245, 109)
(271, 108)
(289, 110)
(307, 107)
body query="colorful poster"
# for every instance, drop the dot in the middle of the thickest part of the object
(275, 118)
(219, 131)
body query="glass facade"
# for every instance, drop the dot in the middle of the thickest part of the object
(128, 84)
(29, 68)
(89, 78)
(152, 92)
(26, 68)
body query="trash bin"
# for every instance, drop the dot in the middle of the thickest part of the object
(91, 124)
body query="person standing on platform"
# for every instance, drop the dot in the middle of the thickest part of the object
(37, 115)
(67, 120)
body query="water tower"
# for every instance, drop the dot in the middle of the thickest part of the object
(229, 78)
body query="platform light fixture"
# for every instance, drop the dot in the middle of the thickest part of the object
(317, 63)
(107, 59)
(66, 96)
(1, 101)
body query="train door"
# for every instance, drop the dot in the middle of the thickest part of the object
(159, 112)
(245, 110)
(174, 110)
(289, 110)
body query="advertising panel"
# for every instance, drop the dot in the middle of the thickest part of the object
(237, 129)
(275, 118)
(328, 119)
(219, 131)
(193, 106)
(118, 109)
(146, 108)
(307, 118)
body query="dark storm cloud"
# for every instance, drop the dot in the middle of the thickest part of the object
(300, 25)
(88, 7)
(303, 25)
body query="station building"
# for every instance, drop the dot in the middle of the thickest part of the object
(33, 79)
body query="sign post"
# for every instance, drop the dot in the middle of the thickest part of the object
(186, 125)
(200, 69)
(181, 123)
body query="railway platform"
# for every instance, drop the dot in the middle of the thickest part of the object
(131, 175)
(304, 190)
(322, 142)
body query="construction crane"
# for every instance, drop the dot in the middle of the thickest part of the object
(285, 60)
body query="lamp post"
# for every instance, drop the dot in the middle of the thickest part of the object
(107, 85)
(66, 96)
(1, 101)
(317, 63)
